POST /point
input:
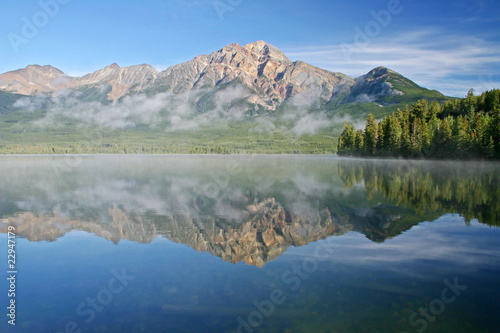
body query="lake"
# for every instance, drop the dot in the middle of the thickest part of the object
(249, 243)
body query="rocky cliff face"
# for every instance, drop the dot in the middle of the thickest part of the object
(264, 70)
(264, 78)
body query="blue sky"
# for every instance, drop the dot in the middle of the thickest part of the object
(446, 45)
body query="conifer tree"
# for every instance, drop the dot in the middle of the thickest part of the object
(370, 140)
(359, 142)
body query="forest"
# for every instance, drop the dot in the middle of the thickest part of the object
(456, 129)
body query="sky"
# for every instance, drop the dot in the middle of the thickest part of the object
(450, 46)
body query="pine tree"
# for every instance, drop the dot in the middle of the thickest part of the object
(433, 112)
(469, 104)
(444, 138)
(493, 130)
(359, 142)
(419, 110)
(489, 150)
(370, 141)
(380, 137)
(460, 136)
(393, 134)
(346, 140)
(406, 147)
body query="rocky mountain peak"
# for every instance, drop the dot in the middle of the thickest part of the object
(33, 78)
(145, 67)
(47, 69)
(265, 50)
(104, 74)
(378, 72)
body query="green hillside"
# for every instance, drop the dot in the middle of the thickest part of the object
(24, 131)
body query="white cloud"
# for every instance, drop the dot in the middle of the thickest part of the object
(448, 62)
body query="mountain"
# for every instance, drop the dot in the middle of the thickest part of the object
(256, 78)
(32, 79)
(268, 76)
(385, 86)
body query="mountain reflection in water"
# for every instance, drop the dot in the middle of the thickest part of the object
(243, 208)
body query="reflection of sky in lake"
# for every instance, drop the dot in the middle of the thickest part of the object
(179, 289)
(444, 241)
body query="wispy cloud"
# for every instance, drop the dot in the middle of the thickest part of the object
(448, 62)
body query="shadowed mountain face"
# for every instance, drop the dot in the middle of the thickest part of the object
(254, 78)
(238, 208)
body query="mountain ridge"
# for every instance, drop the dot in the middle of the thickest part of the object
(268, 76)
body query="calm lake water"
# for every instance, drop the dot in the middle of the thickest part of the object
(250, 244)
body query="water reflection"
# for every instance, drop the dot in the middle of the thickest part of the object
(174, 217)
(470, 189)
(241, 209)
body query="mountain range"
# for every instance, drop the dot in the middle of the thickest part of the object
(256, 78)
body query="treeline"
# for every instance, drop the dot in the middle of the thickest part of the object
(47, 149)
(460, 128)
(111, 149)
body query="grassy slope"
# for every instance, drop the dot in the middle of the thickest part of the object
(237, 137)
